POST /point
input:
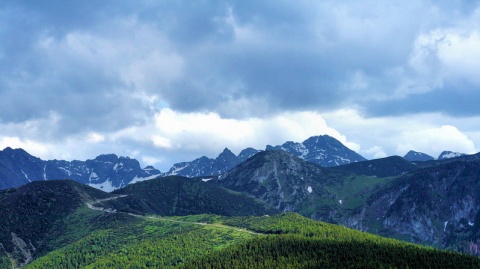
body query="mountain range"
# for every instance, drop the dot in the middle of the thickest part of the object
(434, 202)
(109, 172)
(106, 172)
(65, 224)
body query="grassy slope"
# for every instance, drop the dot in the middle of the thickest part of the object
(287, 241)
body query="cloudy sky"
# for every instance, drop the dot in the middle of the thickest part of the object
(169, 81)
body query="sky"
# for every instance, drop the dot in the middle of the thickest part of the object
(170, 81)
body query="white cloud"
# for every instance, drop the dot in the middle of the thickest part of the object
(436, 140)
(385, 136)
(376, 152)
(95, 137)
(449, 53)
(33, 147)
(209, 133)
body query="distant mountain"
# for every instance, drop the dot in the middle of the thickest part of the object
(106, 172)
(204, 166)
(414, 156)
(323, 150)
(449, 154)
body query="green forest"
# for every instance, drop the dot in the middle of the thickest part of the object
(287, 240)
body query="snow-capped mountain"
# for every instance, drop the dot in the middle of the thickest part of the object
(204, 166)
(106, 172)
(323, 150)
(414, 156)
(449, 154)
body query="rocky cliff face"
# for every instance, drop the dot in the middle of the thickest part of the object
(437, 206)
(279, 178)
(106, 172)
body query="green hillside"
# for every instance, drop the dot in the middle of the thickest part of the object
(207, 241)
(40, 216)
(176, 195)
(383, 167)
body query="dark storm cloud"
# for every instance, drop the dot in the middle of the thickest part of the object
(454, 100)
(287, 56)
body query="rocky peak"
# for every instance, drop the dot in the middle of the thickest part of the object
(246, 153)
(323, 150)
(414, 156)
(106, 172)
(449, 154)
(226, 157)
(277, 177)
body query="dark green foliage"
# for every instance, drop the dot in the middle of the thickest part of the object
(175, 195)
(5, 262)
(291, 241)
(294, 251)
(33, 209)
(149, 244)
(384, 167)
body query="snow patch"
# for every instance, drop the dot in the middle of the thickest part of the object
(26, 176)
(105, 186)
(309, 189)
(206, 179)
(93, 176)
(340, 202)
(178, 169)
(139, 179)
(66, 170)
(471, 223)
(445, 226)
(45, 172)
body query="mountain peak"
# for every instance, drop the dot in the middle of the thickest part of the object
(323, 150)
(107, 158)
(449, 154)
(413, 156)
(226, 151)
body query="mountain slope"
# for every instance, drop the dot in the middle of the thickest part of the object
(175, 195)
(413, 156)
(383, 167)
(437, 205)
(449, 154)
(288, 183)
(33, 213)
(205, 241)
(106, 172)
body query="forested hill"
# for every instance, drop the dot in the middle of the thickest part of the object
(177, 195)
(207, 241)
